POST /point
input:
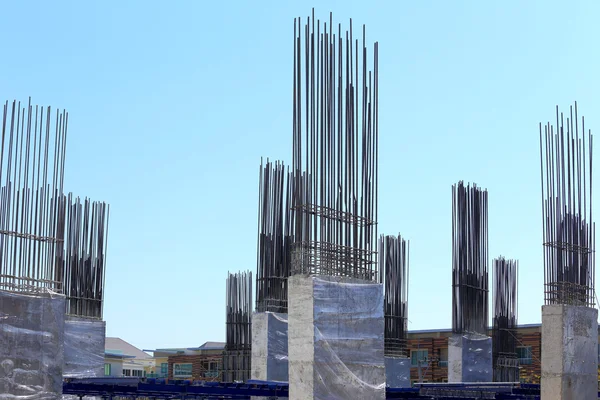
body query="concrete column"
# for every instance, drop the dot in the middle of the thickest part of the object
(269, 347)
(335, 338)
(569, 352)
(84, 347)
(31, 344)
(397, 372)
(470, 358)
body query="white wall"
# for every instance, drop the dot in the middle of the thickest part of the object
(116, 366)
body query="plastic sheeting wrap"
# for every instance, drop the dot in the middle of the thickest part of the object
(270, 346)
(84, 348)
(277, 361)
(470, 358)
(397, 372)
(31, 345)
(347, 344)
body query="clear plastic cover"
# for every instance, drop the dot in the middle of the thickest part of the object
(31, 345)
(349, 339)
(269, 346)
(277, 358)
(476, 351)
(397, 372)
(84, 348)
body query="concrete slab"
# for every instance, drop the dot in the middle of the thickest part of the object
(569, 352)
(335, 338)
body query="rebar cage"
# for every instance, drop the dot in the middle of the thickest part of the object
(322, 258)
(568, 228)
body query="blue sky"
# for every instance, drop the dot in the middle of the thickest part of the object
(172, 104)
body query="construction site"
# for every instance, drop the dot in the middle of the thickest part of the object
(325, 313)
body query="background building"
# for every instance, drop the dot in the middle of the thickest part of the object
(428, 351)
(124, 359)
(204, 363)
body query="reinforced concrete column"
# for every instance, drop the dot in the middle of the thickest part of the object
(470, 358)
(32, 339)
(269, 346)
(397, 372)
(336, 338)
(569, 352)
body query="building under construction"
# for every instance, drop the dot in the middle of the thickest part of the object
(331, 308)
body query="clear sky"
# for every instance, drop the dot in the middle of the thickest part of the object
(172, 104)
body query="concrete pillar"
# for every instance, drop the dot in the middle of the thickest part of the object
(470, 358)
(569, 352)
(84, 347)
(397, 372)
(269, 347)
(31, 344)
(335, 338)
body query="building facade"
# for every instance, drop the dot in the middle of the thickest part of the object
(429, 354)
(204, 363)
(122, 359)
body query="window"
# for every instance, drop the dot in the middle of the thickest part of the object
(182, 370)
(443, 358)
(137, 372)
(418, 357)
(164, 369)
(107, 368)
(126, 372)
(525, 355)
(213, 370)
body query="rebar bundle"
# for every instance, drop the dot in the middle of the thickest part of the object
(469, 259)
(394, 259)
(32, 205)
(85, 256)
(335, 142)
(568, 229)
(237, 356)
(504, 342)
(274, 238)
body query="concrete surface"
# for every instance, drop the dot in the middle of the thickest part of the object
(301, 337)
(569, 353)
